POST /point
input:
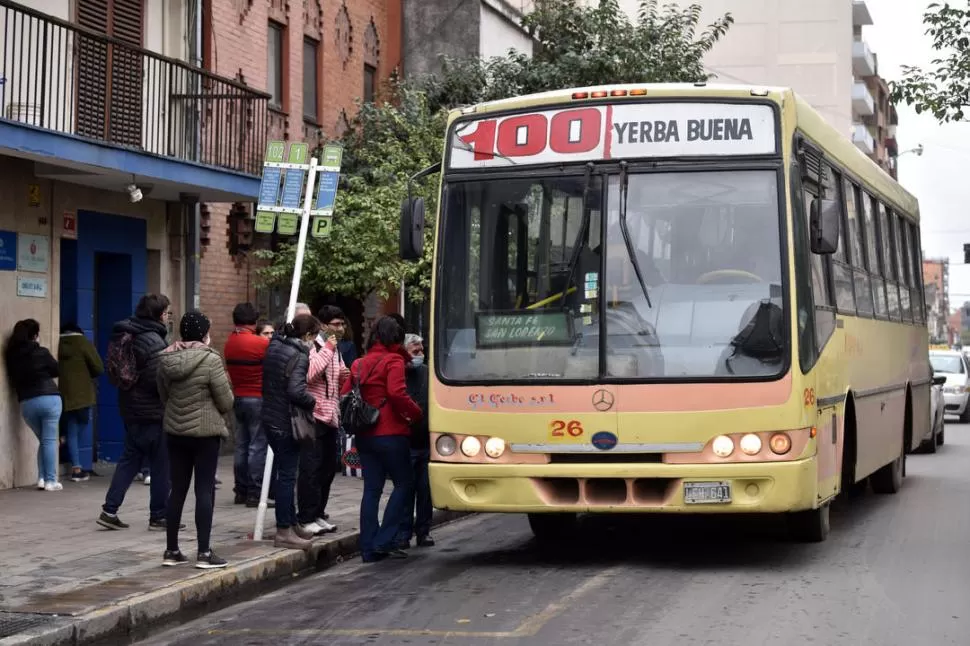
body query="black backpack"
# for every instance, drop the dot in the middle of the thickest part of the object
(356, 415)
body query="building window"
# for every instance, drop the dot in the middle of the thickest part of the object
(274, 80)
(370, 83)
(311, 70)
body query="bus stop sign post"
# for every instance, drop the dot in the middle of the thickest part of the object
(332, 158)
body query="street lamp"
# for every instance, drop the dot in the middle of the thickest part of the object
(918, 151)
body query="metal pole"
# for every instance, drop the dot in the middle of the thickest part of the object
(294, 294)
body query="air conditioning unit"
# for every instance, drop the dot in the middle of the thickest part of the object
(28, 113)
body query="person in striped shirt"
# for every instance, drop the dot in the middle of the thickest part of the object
(318, 462)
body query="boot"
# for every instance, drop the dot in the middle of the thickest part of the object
(288, 539)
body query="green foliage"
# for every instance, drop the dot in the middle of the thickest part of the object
(389, 141)
(944, 89)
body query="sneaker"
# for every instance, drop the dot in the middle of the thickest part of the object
(425, 541)
(139, 476)
(161, 525)
(111, 521)
(41, 484)
(148, 480)
(326, 528)
(53, 486)
(312, 529)
(79, 476)
(209, 561)
(172, 558)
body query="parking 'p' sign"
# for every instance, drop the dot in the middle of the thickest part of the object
(321, 226)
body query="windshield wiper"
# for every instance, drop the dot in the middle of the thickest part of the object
(581, 235)
(470, 149)
(624, 194)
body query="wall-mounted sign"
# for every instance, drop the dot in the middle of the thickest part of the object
(32, 286)
(33, 253)
(69, 226)
(8, 250)
(33, 195)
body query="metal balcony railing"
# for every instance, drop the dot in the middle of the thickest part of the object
(60, 76)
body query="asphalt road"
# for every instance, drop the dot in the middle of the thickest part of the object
(895, 571)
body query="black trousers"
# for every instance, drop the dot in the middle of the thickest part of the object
(187, 455)
(318, 465)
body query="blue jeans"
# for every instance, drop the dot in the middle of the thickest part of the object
(381, 457)
(250, 453)
(286, 458)
(417, 519)
(43, 416)
(142, 441)
(80, 440)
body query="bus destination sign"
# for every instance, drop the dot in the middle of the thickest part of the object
(613, 132)
(523, 328)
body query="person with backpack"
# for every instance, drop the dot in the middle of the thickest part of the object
(132, 365)
(80, 365)
(377, 387)
(195, 390)
(285, 396)
(31, 370)
(318, 461)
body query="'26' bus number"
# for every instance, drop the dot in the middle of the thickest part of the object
(530, 134)
(562, 428)
(809, 397)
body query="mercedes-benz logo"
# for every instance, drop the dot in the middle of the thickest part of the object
(602, 400)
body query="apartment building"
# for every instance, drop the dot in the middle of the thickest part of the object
(936, 281)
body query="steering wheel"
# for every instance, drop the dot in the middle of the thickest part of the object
(713, 276)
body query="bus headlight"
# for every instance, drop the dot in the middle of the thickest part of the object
(723, 446)
(471, 446)
(751, 444)
(446, 446)
(495, 447)
(780, 443)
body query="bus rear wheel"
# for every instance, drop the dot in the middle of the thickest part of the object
(553, 527)
(889, 479)
(810, 526)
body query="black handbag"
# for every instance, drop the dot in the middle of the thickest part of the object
(301, 422)
(356, 415)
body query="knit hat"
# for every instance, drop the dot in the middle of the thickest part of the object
(194, 326)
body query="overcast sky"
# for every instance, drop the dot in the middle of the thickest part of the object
(939, 178)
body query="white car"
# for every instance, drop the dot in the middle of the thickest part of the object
(956, 392)
(935, 437)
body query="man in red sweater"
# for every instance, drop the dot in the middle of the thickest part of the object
(244, 354)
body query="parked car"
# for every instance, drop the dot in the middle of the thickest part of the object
(935, 437)
(956, 391)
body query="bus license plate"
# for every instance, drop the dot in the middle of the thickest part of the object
(706, 493)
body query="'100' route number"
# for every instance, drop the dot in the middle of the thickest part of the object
(569, 132)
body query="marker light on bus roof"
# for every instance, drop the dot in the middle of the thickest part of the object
(723, 446)
(751, 444)
(638, 92)
(619, 93)
(580, 95)
(599, 94)
(471, 446)
(759, 92)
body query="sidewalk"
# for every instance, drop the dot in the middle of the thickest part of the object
(65, 580)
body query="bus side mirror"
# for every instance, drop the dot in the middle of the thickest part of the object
(412, 228)
(939, 380)
(826, 220)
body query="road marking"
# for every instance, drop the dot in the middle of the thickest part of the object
(529, 628)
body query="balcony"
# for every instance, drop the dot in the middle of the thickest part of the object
(863, 61)
(863, 105)
(60, 77)
(860, 13)
(863, 139)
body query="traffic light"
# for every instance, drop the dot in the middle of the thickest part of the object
(966, 254)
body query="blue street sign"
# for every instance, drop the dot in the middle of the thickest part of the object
(269, 187)
(293, 188)
(8, 251)
(328, 193)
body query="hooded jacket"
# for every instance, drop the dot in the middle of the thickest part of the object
(141, 404)
(194, 389)
(280, 392)
(31, 370)
(80, 365)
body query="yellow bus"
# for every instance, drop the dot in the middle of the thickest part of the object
(668, 299)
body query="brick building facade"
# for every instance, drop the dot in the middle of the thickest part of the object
(339, 50)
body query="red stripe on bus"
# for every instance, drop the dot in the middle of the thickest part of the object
(608, 145)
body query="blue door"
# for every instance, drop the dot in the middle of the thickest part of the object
(112, 302)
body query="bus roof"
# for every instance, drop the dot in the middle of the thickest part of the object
(809, 122)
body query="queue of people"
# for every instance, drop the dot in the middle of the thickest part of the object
(179, 399)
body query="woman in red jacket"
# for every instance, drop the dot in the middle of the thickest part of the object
(385, 450)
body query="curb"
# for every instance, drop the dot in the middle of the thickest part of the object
(138, 616)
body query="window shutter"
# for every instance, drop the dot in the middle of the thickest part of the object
(126, 73)
(92, 77)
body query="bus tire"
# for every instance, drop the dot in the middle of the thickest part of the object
(552, 527)
(889, 479)
(809, 526)
(941, 436)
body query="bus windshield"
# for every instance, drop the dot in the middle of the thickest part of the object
(529, 291)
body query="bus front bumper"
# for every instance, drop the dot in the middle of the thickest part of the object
(752, 487)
